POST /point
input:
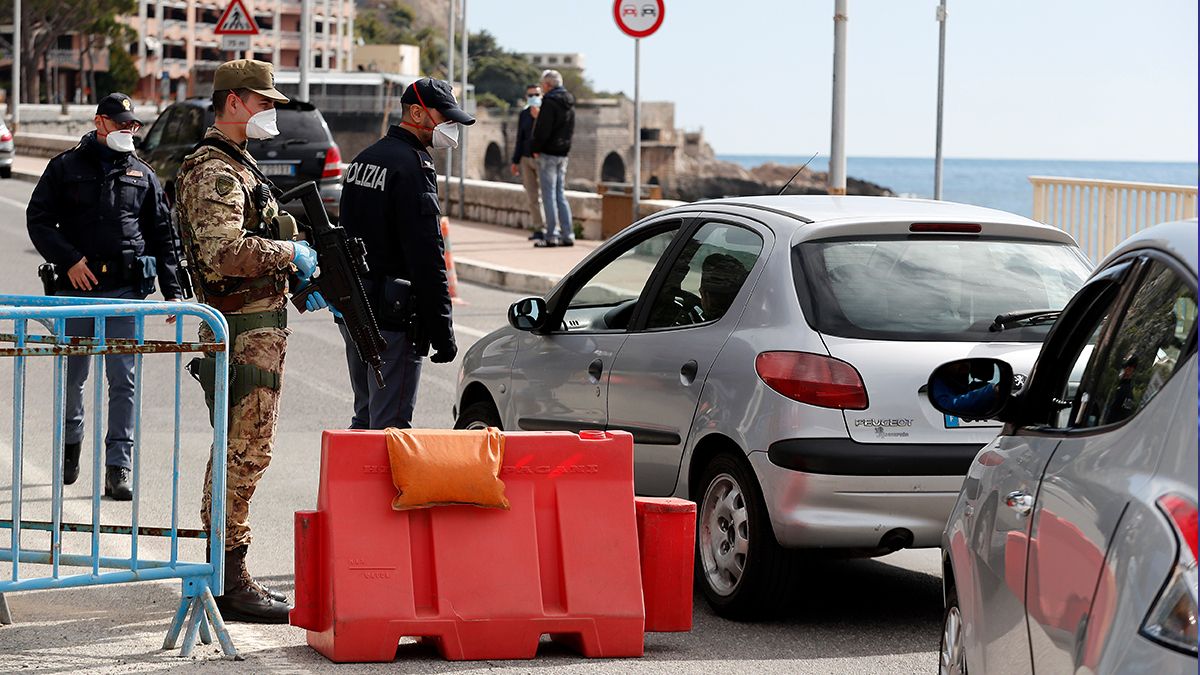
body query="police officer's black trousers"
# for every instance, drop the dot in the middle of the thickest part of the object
(392, 406)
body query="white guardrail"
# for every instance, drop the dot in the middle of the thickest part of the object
(1101, 213)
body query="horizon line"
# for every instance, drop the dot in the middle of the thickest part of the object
(1002, 159)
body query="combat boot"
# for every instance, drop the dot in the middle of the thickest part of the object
(271, 592)
(244, 600)
(71, 462)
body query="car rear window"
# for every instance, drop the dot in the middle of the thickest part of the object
(932, 288)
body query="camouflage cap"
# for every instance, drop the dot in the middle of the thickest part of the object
(257, 76)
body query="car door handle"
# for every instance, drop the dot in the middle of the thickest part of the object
(1019, 502)
(687, 373)
(595, 370)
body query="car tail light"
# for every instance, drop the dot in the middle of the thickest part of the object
(333, 163)
(959, 228)
(1173, 616)
(813, 379)
(6, 137)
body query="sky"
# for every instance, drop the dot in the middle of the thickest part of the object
(1025, 79)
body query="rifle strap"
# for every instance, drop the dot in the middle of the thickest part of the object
(240, 157)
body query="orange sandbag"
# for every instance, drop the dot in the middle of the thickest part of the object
(433, 467)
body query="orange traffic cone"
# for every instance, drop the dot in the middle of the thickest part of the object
(451, 275)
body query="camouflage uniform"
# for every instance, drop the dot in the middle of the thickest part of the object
(239, 274)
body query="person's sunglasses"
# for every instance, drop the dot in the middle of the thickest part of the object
(126, 126)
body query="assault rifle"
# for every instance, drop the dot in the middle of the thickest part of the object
(341, 260)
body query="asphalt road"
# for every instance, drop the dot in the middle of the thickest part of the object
(866, 616)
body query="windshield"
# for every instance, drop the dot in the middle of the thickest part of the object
(933, 288)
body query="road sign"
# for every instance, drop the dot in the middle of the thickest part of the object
(237, 20)
(637, 18)
(235, 43)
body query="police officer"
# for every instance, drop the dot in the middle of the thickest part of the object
(100, 219)
(240, 250)
(390, 200)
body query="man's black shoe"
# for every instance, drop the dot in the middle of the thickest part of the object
(116, 483)
(567, 242)
(545, 243)
(71, 463)
(243, 600)
(537, 234)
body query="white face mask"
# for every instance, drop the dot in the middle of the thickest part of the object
(262, 125)
(535, 101)
(445, 136)
(119, 141)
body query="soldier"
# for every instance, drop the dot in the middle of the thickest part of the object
(239, 245)
(100, 219)
(390, 200)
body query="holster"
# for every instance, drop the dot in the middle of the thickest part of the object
(243, 377)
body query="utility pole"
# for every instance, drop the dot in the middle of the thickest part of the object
(305, 47)
(462, 129)
(637, 129)
(937, 161)
(14, 99)
(837, 143)
(450, 79)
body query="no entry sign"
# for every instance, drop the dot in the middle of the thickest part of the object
(638, 18)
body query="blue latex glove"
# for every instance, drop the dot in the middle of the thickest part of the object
(315, 302)
(304, 258)
(336, 313)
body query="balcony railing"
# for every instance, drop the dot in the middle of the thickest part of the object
(1102, 213)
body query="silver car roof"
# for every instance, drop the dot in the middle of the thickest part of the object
(1177, 238)
(820, 215)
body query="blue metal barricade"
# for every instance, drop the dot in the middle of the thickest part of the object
(201, 578)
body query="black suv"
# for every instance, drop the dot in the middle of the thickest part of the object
(304, 150)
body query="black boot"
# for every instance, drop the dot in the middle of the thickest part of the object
(263, 587)
(116, 483)
(71, 463)
(244, 600)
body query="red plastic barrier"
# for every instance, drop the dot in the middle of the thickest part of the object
(667, 544)
(479, 583)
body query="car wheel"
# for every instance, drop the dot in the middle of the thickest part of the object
(742, 571)
(5, 172)
(953, 652)
(478, 415)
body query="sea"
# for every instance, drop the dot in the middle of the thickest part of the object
(996, 183)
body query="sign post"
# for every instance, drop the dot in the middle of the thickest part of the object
(235, 27)
(637, 20)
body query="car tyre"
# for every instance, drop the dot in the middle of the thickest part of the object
(478, 415)
(5, 172)
(742, 570)
(952, 654)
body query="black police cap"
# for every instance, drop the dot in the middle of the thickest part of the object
(118, 108)
(436, 95)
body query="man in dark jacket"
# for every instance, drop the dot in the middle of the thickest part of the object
(390, 200)
(100, 217)
(523, 164)
(551, 144)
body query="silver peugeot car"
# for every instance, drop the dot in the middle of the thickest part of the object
(1072, 547)
(769, 357)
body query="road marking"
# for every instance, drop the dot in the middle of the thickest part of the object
(14, 202)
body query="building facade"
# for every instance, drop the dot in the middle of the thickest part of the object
(178, 39)
(556, 60)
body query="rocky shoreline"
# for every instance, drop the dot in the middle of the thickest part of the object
(703, 176)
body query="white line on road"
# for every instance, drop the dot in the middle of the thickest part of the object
(13, 202)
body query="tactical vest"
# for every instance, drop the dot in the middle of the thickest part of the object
(261, 215)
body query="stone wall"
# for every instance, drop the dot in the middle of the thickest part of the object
(505, 204)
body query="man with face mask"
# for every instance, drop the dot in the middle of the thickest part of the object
(241, 253)
(390, 200)
(100, 219)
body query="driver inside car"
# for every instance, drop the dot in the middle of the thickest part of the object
(721, 278)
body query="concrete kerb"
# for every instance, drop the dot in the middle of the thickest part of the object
(507, 278)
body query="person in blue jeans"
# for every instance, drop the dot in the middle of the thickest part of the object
(551, 144)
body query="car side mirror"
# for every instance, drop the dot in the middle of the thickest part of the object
(138, 142)
(528, 314)
(972, 389)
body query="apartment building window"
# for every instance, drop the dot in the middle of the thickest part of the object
(566, 60)
(65, 41)
(151, 9)
(209, 16)
(553, 60)
(265, 22)
(317, 58)
(174, 14)
(320, 27)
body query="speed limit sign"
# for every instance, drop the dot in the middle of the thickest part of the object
(638, 18)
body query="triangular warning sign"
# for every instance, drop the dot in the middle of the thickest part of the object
(237, 20)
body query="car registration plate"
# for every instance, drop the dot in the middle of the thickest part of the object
(277, 168)
(953, 422)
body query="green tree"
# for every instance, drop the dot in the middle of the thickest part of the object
(490, 100)
(122, 73)
(504, 76)
(44, 21)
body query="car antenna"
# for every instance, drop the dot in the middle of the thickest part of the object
(785, 185)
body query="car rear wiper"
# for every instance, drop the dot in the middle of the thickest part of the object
(1027, 317)
(286, 141)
